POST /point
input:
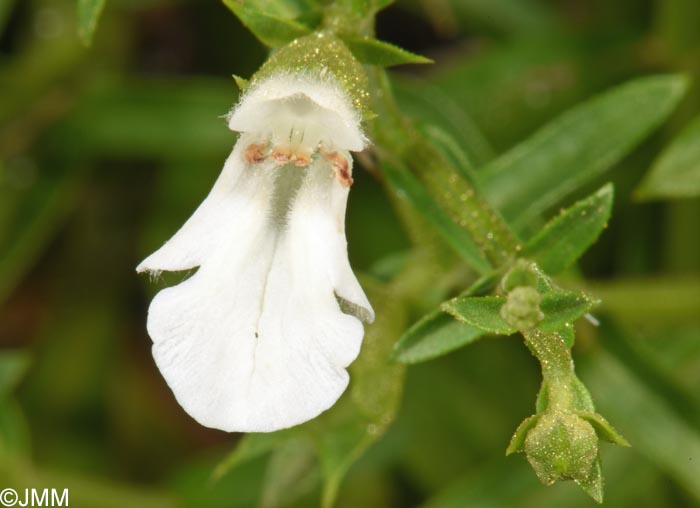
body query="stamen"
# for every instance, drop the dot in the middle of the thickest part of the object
(340, 166)
(255, 153)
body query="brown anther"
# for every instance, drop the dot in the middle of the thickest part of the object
(301, 160)
(281, 156)
(341, 168)
(254, 153)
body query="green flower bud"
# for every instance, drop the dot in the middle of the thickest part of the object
(522, 308)
(522, 274)
(562, 446)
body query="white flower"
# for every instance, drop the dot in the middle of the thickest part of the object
(256, 340)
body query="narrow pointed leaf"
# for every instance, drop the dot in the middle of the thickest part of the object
(603, 428)
(518, 439)
(241, 83)
(565, 238)
(676, 173)
(438, 333)
(408, 188)
(371, 51)
(88, 15)
(563, 307)
(482, 312)
(272, 30)
(578, 146)
(434, 335)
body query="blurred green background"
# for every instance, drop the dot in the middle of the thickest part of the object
(106, 150)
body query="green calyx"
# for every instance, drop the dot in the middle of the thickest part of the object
(562, 446)
(323, 56)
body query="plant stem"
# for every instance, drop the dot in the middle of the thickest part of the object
(395, 135)
(557, 365)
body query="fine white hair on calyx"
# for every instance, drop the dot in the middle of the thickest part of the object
(268, 97)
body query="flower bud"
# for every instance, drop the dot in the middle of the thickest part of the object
(522, 308)
(562, 446)
(522, 274)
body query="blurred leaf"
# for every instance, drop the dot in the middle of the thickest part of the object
(371, 51)
(39, 215)
(578, 146)
(88, 15)
(509, 90)
(565, 238)
(654, 428)
(512, 17)
(85, 490)
(650, 300)
(250, 447)
(160, 118)
(272, 30)
(291, 473)
(14, 432)
(448, 124)
(5, 11)
(13, 365)
(676, 173)
(407, 187)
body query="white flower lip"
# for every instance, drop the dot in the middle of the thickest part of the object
(285, 102)
(259, 338)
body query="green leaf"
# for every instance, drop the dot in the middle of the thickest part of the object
(563, 307)
(676, 173)
(407, 187)
(565, 238)
(88, 15)
(482, 312)
(434, 335)
(518, 439)
(437, 333)
(371, 51)
(578, 146)
(603, 428)
(272, 30)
